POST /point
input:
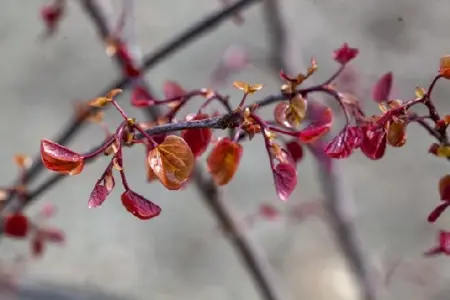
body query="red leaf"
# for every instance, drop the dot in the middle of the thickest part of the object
(345, 54)
(129, 68)
(382, 88)
(16, 225)
(444, 241)
(268, 211)
(295, 149)
(437, 212)
(37, 246)
(318, 128)
(223, 160)
(345, 142)
(51, 15)
(98, 195)
(60, 159)
(172, 90)
(53, 235)
(139, 206)
(285, 177)
(374, 142)
(140, 97)
(198, 139)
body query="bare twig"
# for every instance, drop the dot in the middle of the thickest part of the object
(336, 200)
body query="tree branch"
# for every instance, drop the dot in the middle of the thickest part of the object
(150, 60)
(336, 200)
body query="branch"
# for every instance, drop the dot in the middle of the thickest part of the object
(150, 61)
(336, 200)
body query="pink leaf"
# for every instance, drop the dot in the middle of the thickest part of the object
(382, 88)
(139, 206)
(268, 211)
(345, 54)
(53, 235)
(98, 195)
(285, 177)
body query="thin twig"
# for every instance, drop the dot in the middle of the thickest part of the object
(150, 60)
(336, 200)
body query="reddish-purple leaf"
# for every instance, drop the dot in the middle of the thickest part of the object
(374, 142)
(285, 177)
(16, 225)
(98, 195)
(172, 89)
(140, 97)
(295, 149)
(197, 139)
(60, 159)
(345, 54)
(444, 244)
(139, 206)
(437, 212)
(382, 88)
(37, 245)
(342, 145)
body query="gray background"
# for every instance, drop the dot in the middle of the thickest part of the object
(180, 255)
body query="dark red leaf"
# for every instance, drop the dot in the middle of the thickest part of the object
(285, 177)
(382, 88)
(345, 142)
(98, 195)
(139, 206)
(198, 139)
(51, 15)
(129, 67)
(16, 225)
(140, 97)
(345, 54)
(295, 149)
(374, 142)
(437, 212)
(320, 125)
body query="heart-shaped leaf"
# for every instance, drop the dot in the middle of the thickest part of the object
(318, 127)
(172, 161)
(374, 142)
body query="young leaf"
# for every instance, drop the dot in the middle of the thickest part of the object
(437, 212)
(60, 159)
(342, 145)
(444, 66)
(444, 188)
(139, 206)
(443, 246)
(279, 114)
(98, 195)
(247, 88)
(296, 111)
(345, 54)
(374, 142)
(99, 101)
(382, 88)
(295, 149)
(140, 97)
(223, 160)
(318, 128)
(285, 177)
(172, 161)
(16, 225)
(198, 139)
(396, 133)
